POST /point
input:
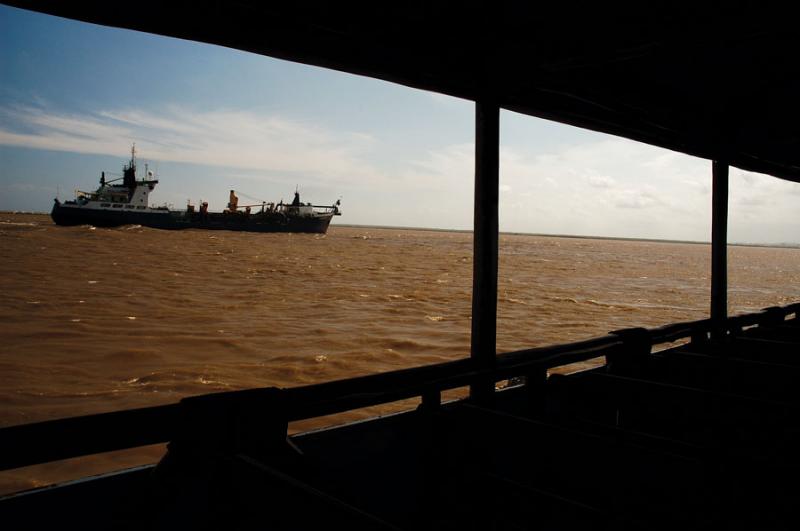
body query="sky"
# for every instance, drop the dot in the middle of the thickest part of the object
(208, 119)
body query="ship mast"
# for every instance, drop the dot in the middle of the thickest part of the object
(129, 173)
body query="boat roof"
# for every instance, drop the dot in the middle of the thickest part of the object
(714, 83)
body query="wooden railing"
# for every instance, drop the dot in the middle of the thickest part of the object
(41, 442)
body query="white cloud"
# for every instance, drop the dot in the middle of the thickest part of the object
(444, 167)
(753, 201)
(605, 187)
(634, 199)
(601, 181)
(235, 139)
(698, 186)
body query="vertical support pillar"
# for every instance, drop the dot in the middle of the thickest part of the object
(719, 249)
(485, 244)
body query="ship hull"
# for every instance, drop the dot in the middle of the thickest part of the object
(176, 220)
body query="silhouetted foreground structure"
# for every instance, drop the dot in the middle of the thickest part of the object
(699, 436)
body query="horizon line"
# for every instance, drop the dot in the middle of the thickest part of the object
(781, 245)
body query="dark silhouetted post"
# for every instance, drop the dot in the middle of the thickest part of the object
(719, 249)
(484, 268)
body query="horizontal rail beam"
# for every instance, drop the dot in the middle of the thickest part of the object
(52, 440)
(365, 391)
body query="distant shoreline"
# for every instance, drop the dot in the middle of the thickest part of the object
(509, 233)
(575, 236)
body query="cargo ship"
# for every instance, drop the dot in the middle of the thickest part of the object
(117, 203)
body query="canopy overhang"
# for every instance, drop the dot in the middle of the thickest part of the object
(708, 82)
